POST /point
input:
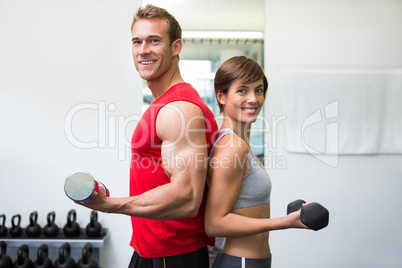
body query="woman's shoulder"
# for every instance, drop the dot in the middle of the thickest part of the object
(230, 144)
(229, 158)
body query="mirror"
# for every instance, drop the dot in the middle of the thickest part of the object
(213, 31)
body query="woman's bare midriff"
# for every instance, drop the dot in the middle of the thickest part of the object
(253, 246)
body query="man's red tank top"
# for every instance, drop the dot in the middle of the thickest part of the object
(162, 238)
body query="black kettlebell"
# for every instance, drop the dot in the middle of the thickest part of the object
(72, 228)
(94, 228)
(33, 229)
(5, 261)
(64, 260)
(87, 261)
(3, 228)
(16, 229)
(43, 261)
(51, 229)
(23, 260)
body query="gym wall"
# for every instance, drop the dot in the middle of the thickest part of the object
(362, 192)
(68, 93)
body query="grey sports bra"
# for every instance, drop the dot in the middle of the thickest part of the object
(256, 186)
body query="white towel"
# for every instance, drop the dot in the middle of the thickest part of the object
(343, 111)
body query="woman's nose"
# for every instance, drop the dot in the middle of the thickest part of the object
(252, 98)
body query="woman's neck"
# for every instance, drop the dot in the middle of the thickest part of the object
(241, 130)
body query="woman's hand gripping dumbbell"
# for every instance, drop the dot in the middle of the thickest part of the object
(313, 215)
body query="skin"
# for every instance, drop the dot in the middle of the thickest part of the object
(157, 62)
(246, 229)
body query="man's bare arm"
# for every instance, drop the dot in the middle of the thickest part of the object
(181, 128)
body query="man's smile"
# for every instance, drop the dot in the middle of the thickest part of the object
(148, 62)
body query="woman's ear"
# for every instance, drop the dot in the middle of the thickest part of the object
(220, 97)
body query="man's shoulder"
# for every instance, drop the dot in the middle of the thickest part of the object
(181, 108)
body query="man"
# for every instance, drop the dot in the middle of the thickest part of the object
(169, 154)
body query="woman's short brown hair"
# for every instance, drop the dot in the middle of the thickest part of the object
(152, 12)
(238, 68)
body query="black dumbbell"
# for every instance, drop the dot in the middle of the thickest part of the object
(313, 215)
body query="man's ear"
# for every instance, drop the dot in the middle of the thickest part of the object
(176, 47)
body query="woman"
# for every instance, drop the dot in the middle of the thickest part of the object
(238, 204)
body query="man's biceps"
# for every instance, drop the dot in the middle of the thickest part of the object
(196, 123)
(179, 154)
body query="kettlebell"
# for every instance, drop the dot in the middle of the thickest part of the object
(51, 229)
(16, 229)
(72, 228)
(33, 229)
(94, 228)
(5, 261)
(43, 261)
(3, 228)
(23, 260)
(87, 261)
(64, 260)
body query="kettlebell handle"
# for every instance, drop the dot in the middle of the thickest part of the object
(3, 248)
(5, 261)
(71, 217)
(33, 218)
(43, 252)
(86, 253)
(94, 218)
(4, 219)
(64, 253)
(23, 253)
(51, 216)
(18, 217)
(3, 228)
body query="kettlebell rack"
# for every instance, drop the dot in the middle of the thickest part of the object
(76, 242)
(77, 238)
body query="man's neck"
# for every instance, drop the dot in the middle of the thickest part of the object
(159, 86)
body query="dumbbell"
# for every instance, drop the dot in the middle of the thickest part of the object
(313, 215)
(80, 186)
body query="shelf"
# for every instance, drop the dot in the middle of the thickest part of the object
(80, 241)
(54, 243)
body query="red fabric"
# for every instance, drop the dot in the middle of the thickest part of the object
(155, 238)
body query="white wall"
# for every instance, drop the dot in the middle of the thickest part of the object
(362, 193)
(55, 55)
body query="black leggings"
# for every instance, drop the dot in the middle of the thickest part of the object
(229, 261)
(196, 259)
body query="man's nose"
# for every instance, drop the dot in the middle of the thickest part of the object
(144, 49)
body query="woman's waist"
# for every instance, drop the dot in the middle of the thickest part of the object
(253, 246)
